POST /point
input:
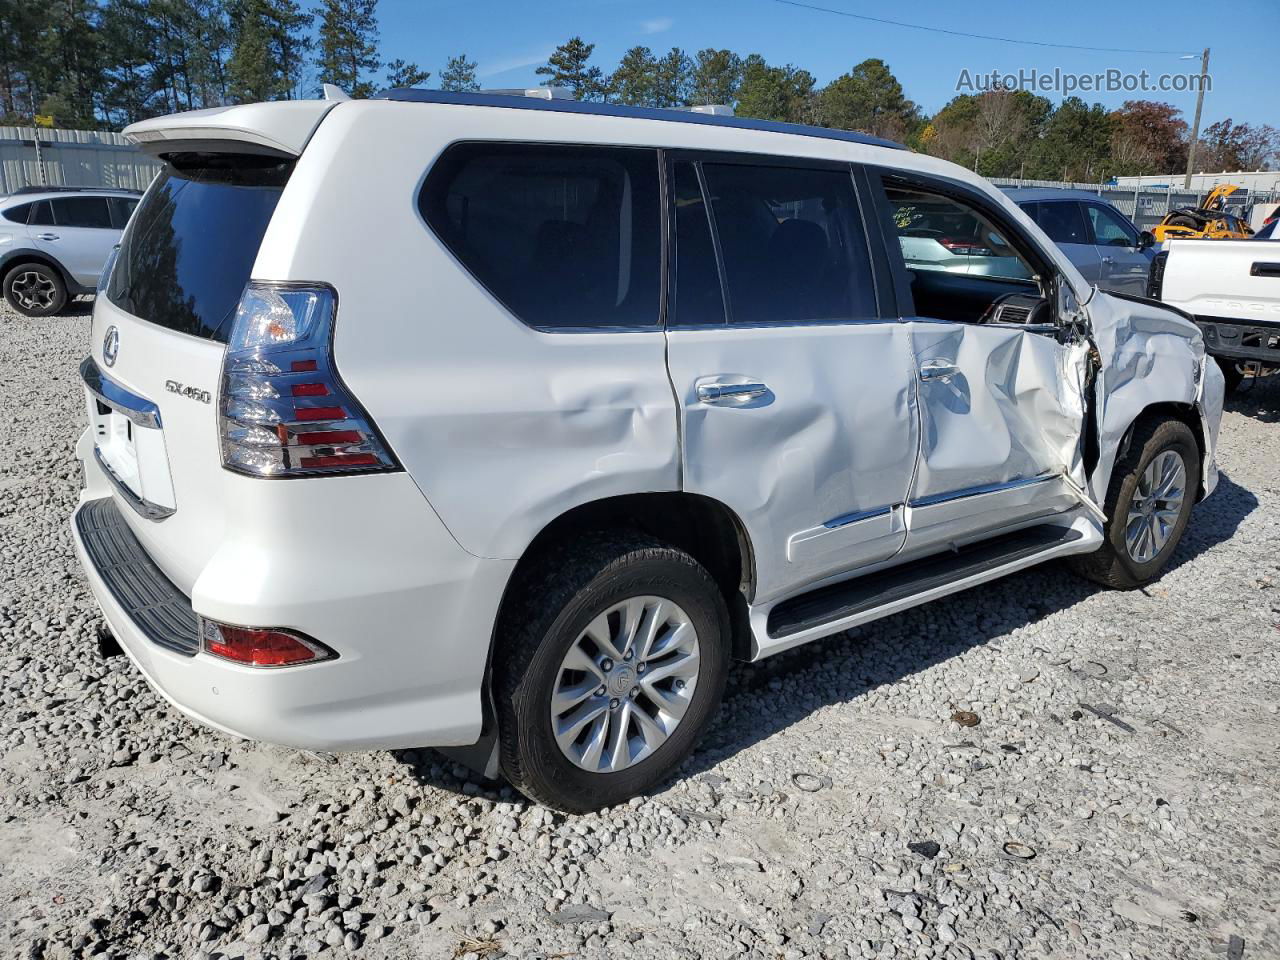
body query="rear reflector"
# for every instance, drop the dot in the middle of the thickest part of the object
(256, 647)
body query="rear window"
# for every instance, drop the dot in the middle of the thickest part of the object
(565, 237)
(189, 249)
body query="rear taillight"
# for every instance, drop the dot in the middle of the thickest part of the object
(257, 647)
(284, 411)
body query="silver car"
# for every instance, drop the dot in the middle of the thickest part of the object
(1101, 241)
(54, 242)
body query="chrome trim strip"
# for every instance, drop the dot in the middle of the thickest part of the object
(143, 508)
(845, 519)
(140, 410)
(938, 498)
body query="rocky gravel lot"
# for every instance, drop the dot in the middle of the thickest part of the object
(1119, 795)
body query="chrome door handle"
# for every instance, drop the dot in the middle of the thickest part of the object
(1108, 260)
(710, 391)
(938, 369)
(47, 236)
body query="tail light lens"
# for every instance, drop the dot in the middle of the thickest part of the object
(284, 411)
(261, 648)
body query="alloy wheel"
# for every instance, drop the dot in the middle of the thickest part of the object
(625, 684)
(33, 290)
(1156, 505)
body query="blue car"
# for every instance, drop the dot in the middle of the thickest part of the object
(1101, 241)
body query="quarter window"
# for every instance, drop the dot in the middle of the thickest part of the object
(564, 236)
(1109, 228)
(792, 244)
(19, 213)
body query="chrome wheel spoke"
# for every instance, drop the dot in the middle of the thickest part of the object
(625, 684)
(1157, 503)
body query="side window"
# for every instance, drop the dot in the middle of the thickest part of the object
(19, 213)
(695, 297)
(82, 212)
(792, 241)
(1063, 221)
(564, 236)
(940, 234)
(121, 209)
(1110, 229)
(41, 214)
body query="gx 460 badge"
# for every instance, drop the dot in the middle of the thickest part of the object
(191, 393)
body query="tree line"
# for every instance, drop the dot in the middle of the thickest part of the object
(108, 63)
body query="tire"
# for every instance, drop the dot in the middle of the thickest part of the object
(1114, 564)
(545, 623)
(35, 290)
(1231, 373)
(1183, 221)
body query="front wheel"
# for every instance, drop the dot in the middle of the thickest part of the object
(1152, 491)
(612, 661)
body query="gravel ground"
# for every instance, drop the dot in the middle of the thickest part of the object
(1126, 743)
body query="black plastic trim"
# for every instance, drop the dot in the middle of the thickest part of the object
(158, 608)
(829, 604)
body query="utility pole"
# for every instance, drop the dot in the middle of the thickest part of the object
(1195, 126)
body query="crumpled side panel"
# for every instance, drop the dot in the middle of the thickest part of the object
(1149, 355)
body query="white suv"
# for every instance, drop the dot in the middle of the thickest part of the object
(54, 242)
(500, 423)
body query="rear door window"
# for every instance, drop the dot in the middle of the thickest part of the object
(792, 243)
(1062, 221)
(696, 297)
(121, 210)
(41, 214)
(188, 252)
(564, 236)
(88, 212)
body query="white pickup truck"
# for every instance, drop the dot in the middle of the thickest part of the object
(1232, 290)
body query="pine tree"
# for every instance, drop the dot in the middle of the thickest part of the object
(289, 42)
(349, 44)
(401, 73)
(252, 74)
(673, 80)
(459, 75)
(716, 75)
(567, 67)
(635, 81)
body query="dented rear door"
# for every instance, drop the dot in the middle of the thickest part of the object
(796, 402)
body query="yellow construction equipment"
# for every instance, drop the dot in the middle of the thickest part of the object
(1208, 222)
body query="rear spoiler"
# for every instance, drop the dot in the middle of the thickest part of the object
(275, 129)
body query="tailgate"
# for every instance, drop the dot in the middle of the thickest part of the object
(158, 338)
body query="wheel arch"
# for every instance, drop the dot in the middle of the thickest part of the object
(1186, 413)
(15, 258)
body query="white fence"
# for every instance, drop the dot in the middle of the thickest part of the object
(35, 156)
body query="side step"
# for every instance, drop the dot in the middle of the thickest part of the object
(841, 601)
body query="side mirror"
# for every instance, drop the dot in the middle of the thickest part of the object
(1146, 239)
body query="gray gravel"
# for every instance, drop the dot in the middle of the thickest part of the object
(1117, 797)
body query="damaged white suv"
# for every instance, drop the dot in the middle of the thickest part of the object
(501, 423)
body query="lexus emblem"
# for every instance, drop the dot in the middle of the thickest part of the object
(110, 346)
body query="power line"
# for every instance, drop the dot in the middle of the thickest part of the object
(973, 36)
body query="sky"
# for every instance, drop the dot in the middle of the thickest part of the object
(510, 39)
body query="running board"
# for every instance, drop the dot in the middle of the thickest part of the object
(841, 606)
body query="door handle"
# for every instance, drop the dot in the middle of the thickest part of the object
(938, 368)
(728, 394)
(1108, 260)
(47, 236)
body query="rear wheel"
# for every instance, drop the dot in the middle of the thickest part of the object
(1152, 492)
(35, 290)
(612, 662)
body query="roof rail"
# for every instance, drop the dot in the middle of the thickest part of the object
(706, 115)
(33, 188)
(710, 109)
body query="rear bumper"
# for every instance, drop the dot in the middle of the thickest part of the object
(1241, 340)
(411, 655)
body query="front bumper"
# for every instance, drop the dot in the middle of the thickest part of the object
(411, 675)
